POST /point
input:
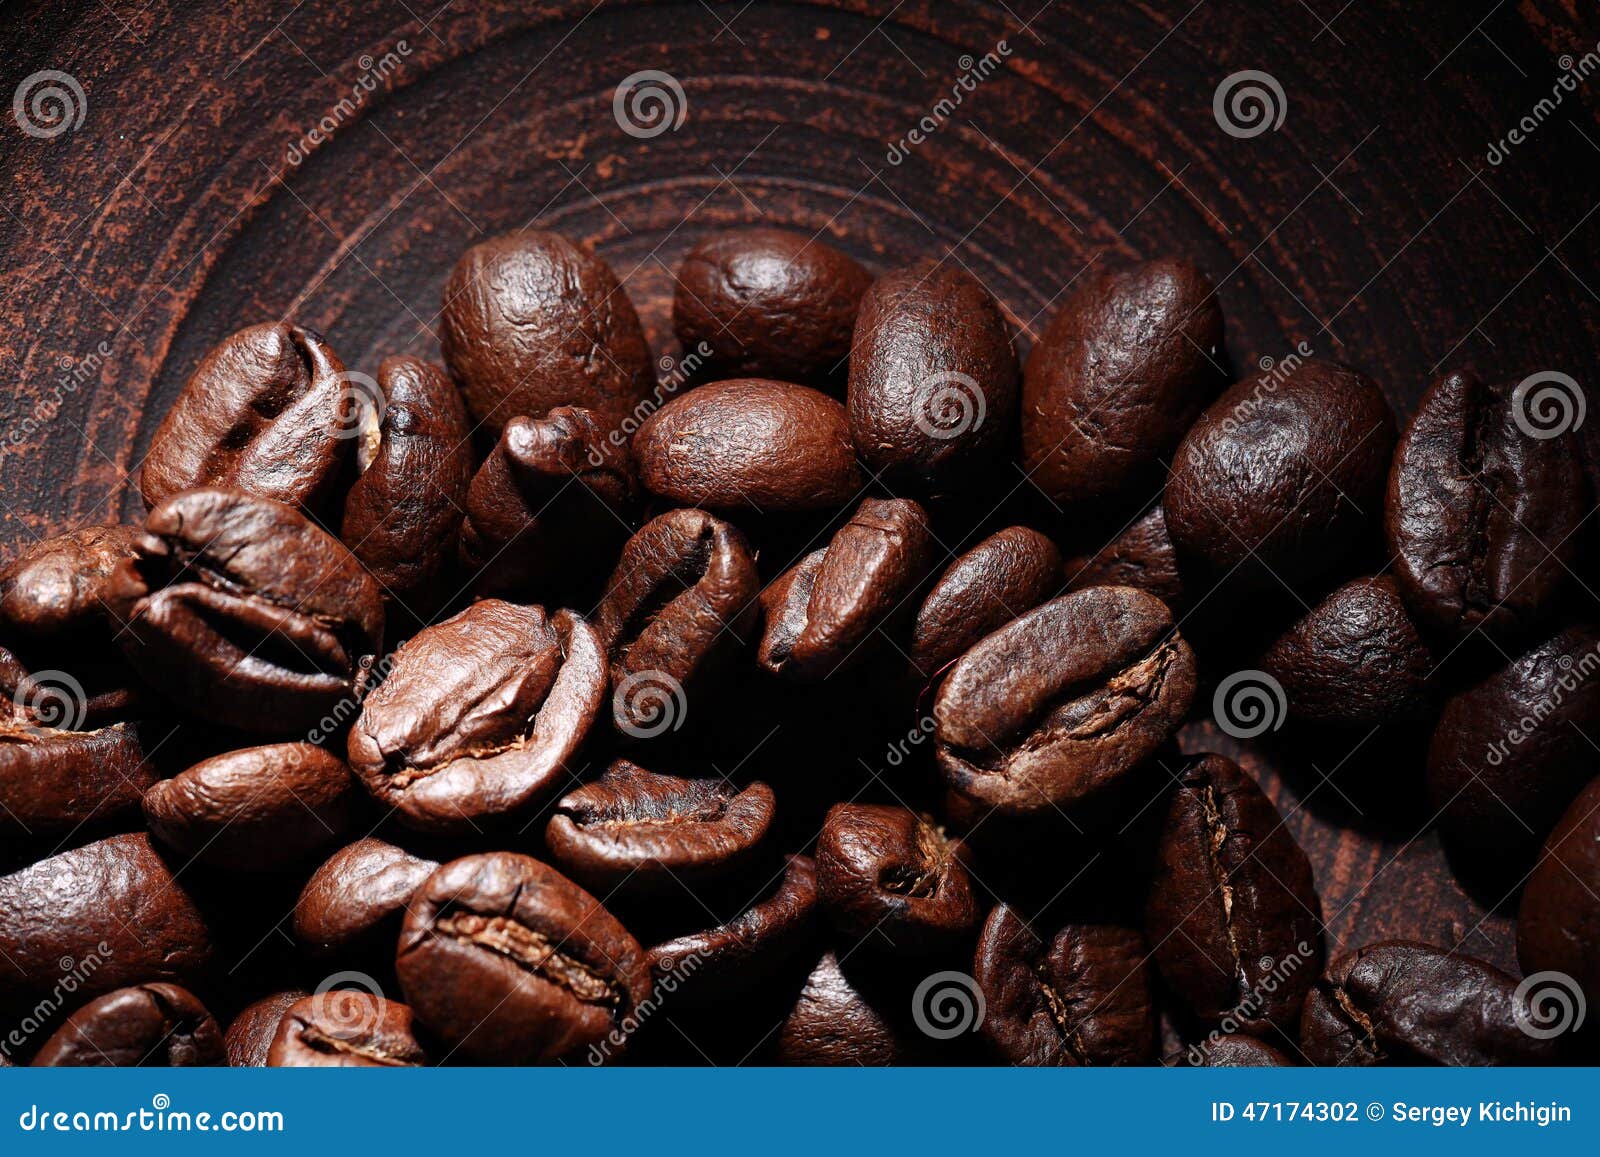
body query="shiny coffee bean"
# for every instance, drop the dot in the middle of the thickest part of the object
(1482, 516)
(749, 444)
(1081, 997)
(1116, 380)
(53, 781)
(830, 611)
(345, 1029)
(1141, 556)
(1403, 1003)
(768, 303)
(60, 586)
(634, 831)
(933, 378)
(837, 1022)
(356, 899)
(1280, 476)
(149, 1026)
(268, 412)
(1558, 925)
(1355, 660)
(1233, 912)
(1231, 1051)
(532, 321)
(243, 612)
(506, 961)
(887, 874)
(479, 715)
(1009, 573)
(249, 1038)
(1056, 708)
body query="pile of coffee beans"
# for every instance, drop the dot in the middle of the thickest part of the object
(818, 703)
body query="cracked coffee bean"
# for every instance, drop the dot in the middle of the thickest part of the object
(249, 1038)
(148, 1026)
(1004, 576)
(345, 1029)
(356, 899)
(52, 781)
(1558, 925)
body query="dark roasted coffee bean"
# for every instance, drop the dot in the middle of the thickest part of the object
(60, 586)
(402, 515)
(1355, 660)
(1278, 478)
(548, 501)
(1403, 1003)
(357, 897)
(1233, 912)
(52, 781)
(1080, 998)
(100, 689)
(532, 321)
(1117, 379)
(933, 378)
(1141, 556)
(836, 1022)
(1056, 708)
(1482, 514)
(479, 715)
(768, 303)
(823, 617)
(749, 443)
(345, 1029)
(150, 1025)
(1509, 754)
(1005, 575)
(682, 593)
(887, 874)
(269, 411)
(1558, 926)
(240, 610)
(1231, 1051)
(634, 831)
(507, 961)
(249, 1038)
(257, 809)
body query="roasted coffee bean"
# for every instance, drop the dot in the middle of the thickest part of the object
(52, 781)
(1404, 1003)
(150, 1025)
(550, 500)
(747, 951)
(1059, 706)
(1005, 575)
(635, 831)
(684, 590)
(823, 615)
(1482, 516)
(749, 443)
(507, 961)
(257, 809)
(240, 610)
(1233, 912)
(1558, 925)
(768, 303)
(1117, 379)
(933, 378)
(1141, 556)
(1355, 660)
(479, 715)
(402, 516)
(110, 913)
(1509, 754)
(836, 1022)
(345, 1029)
(532, 321)
(358, 896)
(249, 1038)
(270, 411)
(1081, 997)
(1231, 1051)
(100, 689)
(59, 586)
(1280, 476)
(891, 875)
